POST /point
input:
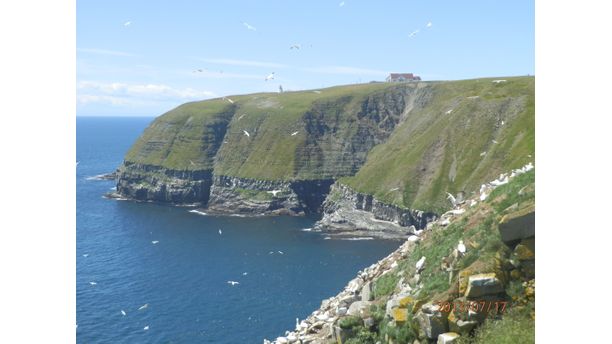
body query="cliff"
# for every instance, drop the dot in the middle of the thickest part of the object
(468, 278)
(391, 151)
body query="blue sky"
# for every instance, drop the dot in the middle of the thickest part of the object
(137, 58)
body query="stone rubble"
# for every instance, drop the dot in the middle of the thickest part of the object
(355, 298)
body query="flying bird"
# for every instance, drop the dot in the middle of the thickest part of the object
(198, 71)
(220, 232)
(461, 247)
(429, 24)
(145, 306)
(294, 133)
(244, 114)
(270, 76)
(498, 81)
(394, 189)
(123, 312)
(154, 242)
(295, 46)
(250, 27)
(245, 273)
(413, 33)
(449, 111)
(93, 283)
(341, 4)
(246, 133)
(483, 153)
(146, 328)
(494, 141)
(317, 92)
(281, 252)
(233, 283)
(86, 255)
(127, 23)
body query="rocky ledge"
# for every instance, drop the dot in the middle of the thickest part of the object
(350, 213)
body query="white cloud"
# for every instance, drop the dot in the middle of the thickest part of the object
(346, 70)
(104, 52)
(122, 94)
(232, 62)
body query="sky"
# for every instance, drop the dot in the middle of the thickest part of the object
(143, 58)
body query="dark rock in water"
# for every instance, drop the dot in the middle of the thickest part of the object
(154, 183)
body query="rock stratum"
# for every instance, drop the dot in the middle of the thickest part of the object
(373, 159)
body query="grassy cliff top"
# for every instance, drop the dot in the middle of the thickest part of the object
(406, 143)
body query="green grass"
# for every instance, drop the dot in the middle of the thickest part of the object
(428, 154)
(385, 285)
(516, 326)
(254, 194)
(431, 146)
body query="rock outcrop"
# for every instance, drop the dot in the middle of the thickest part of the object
(347, 212)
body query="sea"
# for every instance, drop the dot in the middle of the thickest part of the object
(154, 273)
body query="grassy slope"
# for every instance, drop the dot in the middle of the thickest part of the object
(485, 253)
(172, 140)
(428, 154)
(432, 152)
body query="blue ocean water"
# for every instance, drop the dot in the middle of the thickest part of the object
(183, 277)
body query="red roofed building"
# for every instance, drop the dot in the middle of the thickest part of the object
(402, 77)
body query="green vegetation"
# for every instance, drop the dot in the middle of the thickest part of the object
(358, 133)
(385, 285)
(434, 152)
(516, 326)
(254, 194)
(477, 227)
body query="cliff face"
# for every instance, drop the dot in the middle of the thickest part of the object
(347, 212)
(390, 149)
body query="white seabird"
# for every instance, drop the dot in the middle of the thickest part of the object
(294, 133)
(419, 265)
(229, 100)
(452, 199)
(233, 283)
(145, 306)
(295, 46)
(250, 27)
(154, 242)
(273, 192)
(93, 283)
(281, 252)
(86, 255)
(270, 76)
(449, 111)
(413, 33)
(146, 328)
(246, 133)
(127, 23)
(123, 312)
(220, 232)
(483, 153)
(461, 247)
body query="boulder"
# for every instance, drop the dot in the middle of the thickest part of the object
(360, 308)
(448, 337)
(400, 315)
(460, 326)
(525, 250)
(432, 322)
(483, 284)
(518, 225)
(366, 292)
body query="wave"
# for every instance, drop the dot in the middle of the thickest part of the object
(195, 211)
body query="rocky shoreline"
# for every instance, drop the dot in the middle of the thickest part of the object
(357, 297)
